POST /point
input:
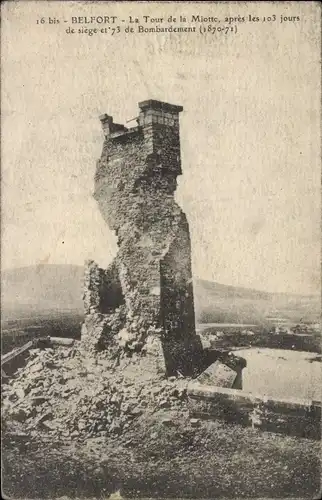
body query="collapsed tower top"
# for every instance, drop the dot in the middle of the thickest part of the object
(151, 112)
(152, 105)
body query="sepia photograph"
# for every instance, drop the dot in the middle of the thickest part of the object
(161, 250)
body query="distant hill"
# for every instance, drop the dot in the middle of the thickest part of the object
(217, 303)
(37, 289)
(41, 288)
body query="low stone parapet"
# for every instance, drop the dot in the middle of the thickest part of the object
(291, 416)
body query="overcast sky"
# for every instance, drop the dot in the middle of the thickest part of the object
(249, 136)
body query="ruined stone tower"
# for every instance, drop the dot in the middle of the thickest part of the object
(148, 287)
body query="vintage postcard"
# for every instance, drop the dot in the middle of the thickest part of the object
(161, 250)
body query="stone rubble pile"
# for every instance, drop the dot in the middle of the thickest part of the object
(68, 394)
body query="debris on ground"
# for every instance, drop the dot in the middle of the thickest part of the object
(71, 395)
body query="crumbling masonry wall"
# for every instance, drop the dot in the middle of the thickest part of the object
(148, 287)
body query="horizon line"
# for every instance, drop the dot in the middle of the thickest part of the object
(316, 294)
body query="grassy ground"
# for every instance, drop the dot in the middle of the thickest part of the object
(210, 461)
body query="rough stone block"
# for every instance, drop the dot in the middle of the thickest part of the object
(218, 374)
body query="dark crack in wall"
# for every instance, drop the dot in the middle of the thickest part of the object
(148, 288)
